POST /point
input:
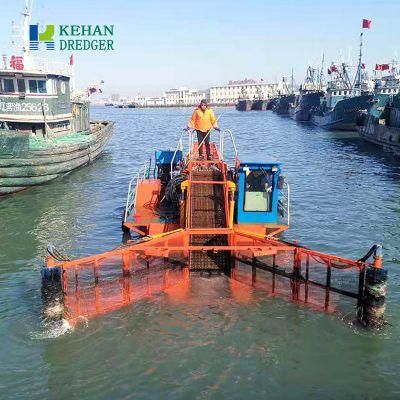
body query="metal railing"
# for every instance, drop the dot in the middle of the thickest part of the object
(222, 142)
(179, 146)
(139, 176)
(191, 141)
(285, 203)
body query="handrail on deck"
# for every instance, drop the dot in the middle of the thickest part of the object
(131, 196)
(179, 146)
(222, 141)
(286, 196)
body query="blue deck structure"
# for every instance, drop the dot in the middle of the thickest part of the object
(258, 192)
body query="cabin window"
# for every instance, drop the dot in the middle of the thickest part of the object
(36, 86)
(63, 87)
(42, 86)
(8, 85)
(334, 93)
(32, 86)
(21, 85)
(258, 194)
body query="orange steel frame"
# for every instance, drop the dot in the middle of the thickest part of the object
(156, 245)
(245, 242)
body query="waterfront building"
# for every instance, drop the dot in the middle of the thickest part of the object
(154, 101)
(115, 98)
(230, 92)
(140, 100)
(183, 97)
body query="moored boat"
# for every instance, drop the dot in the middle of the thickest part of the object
(271, 103)
(340, 108)
(381, 125)
(285, 98)
(244, 105)
(259, 105)
(307, 100)
(45, 129)
(309, 97)
(282, 104)
(339, 112)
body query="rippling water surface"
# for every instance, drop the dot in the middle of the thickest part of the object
(208, 343)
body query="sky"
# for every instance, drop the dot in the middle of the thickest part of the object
(168, 44)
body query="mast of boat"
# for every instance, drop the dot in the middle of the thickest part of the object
(292, 81)
(26, 19)
(321, 72)
(344, 76)
(357, 81)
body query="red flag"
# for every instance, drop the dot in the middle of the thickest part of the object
(378, 67)
(366, 24)
(71, 59)
(334, 68)
(363, 66)
(385, 67)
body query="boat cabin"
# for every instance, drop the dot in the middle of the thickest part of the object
(39, 104)
(258, 193)
(334, 95)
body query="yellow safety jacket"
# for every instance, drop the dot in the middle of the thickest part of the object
(203, 121)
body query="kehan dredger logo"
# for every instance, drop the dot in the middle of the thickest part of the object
(35, 37)
(72, 37)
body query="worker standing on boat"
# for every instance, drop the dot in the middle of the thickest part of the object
(203, 120)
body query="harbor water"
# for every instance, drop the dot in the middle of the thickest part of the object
(205, 343)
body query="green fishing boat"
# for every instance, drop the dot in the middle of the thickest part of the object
(45, 128)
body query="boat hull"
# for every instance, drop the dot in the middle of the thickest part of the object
(306, 102)
(22, 167)
(259, 105)
(282, 105)
(344, 115)
(271, 103)
(244, 105)
(386, 136)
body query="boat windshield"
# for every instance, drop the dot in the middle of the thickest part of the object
(258, 195)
